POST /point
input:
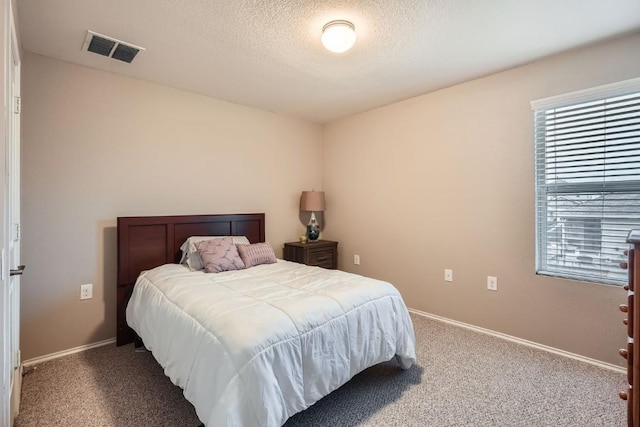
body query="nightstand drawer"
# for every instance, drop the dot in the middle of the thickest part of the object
(322, 253)
(321, 258)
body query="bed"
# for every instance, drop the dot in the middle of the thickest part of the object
(254, 346)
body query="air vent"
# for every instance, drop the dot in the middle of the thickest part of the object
(110, 47)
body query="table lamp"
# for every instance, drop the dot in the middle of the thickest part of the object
(312, 201)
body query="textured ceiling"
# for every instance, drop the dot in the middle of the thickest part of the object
(267, 54)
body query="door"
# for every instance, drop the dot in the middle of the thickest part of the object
(12, 269)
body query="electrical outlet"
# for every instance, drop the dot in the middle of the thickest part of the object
(86, 291)
(492, 283)
(448, 275)
(356, 259)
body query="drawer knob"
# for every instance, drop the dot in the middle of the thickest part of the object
(623, 395)
(623, 352)
(626, 322)
(625, 287)
(624, 308)
(624, 265)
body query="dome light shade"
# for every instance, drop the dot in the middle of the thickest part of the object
(339, 36)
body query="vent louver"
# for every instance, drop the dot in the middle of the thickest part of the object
(110, 47)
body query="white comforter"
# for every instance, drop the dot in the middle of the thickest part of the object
(253, 347)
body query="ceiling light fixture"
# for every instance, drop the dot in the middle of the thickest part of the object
(338, 36)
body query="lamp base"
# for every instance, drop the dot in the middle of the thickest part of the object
(313, 229)
(313, 232)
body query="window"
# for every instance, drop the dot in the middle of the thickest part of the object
(587, 149)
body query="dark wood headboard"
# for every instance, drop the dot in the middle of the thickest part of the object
(145, 242)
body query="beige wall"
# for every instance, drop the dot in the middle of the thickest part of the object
(446, 180)
(98, 145)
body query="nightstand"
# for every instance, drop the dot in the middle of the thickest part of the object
(321, 253)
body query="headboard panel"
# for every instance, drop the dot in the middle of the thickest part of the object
(147, 242)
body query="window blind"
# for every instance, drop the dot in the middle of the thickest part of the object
(587, 155)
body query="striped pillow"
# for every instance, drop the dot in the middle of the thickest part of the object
(258, 253)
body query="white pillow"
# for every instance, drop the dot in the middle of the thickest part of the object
(190, 256)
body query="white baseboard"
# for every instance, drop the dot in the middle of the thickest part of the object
(511, 338)
(517, 340)
(47, 357)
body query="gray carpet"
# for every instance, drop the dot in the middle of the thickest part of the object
(461, 378)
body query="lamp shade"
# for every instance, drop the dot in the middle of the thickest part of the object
(312, 201)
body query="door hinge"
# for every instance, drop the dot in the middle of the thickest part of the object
(18, 357)
(18, 231)
(18, 108)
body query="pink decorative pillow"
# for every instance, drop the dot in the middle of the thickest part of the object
(258, 253)
(219, 255)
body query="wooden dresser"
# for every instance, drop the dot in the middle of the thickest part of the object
(632, 308)
(321, 253)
